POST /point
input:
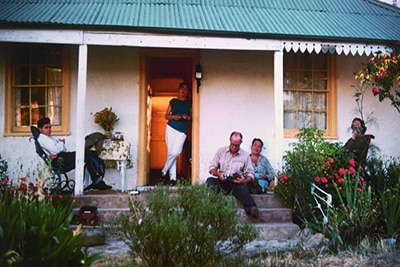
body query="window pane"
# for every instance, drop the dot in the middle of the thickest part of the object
(320, 80)
(289, 120)
(38, 75)
(305, 80)
(320, 120)
(319, 101)
(305, 101)
(304, 119)
(38, 96)
(54, 76)
(290, 79)
(289, 100)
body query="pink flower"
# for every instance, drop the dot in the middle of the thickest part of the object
(340, 181)
(352, 170)
(5, 181)
(359, 189)
(376, 91)
(328, 165)
(341, 171)
(324, 180)
(352, 162)
(317, 179)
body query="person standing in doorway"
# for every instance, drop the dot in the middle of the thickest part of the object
(178, 115)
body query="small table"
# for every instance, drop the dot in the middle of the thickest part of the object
(118, 151)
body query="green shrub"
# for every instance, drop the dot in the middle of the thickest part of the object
(191, 226)
(34, 229)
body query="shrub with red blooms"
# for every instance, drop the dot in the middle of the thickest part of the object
(382, 71)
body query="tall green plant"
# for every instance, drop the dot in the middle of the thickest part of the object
(190, 227)
(357, 214)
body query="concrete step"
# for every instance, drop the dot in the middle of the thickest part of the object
(111, 203)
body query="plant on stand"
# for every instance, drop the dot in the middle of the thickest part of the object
(106, 118)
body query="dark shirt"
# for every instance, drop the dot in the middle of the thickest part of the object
(180, 107)
(357, 146)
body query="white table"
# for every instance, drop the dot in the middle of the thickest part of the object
(118, 151)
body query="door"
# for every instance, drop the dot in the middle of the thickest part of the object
(163, 76)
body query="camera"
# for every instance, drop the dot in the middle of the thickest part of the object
(227, 176)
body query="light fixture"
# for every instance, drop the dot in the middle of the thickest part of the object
(198, 76)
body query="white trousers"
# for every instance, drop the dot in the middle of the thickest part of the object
(174, 141)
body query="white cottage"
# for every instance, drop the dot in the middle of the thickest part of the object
(268, 69)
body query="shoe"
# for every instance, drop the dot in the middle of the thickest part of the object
(172, 182)
(254, 215)
(101, 186)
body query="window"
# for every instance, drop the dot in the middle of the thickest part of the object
(38, 87)
(309, 93)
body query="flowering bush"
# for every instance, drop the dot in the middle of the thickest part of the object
(383, 72)
(106, 118)
(311, 157)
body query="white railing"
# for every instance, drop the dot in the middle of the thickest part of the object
(323, 201)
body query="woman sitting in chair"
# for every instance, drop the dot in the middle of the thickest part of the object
(60, 157)
(358, 143)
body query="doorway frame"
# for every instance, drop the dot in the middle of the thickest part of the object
(143, 142)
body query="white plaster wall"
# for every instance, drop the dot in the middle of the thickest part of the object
(113, 81)
(236, 95)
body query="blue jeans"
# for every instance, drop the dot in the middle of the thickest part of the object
(239, 191)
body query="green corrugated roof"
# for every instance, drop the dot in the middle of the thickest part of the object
(306, 19)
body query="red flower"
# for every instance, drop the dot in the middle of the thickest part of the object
(352, 162)
(352, 170)
(317, 179)
(340, 180)
(5, 181)
(376, 91)
(342, 171)
(283, 179)
(324, 180)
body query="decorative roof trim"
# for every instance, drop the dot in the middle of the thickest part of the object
(339, 48)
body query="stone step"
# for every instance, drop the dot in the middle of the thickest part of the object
(112, 203)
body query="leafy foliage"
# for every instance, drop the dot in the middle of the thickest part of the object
(365, 200)
(192, 227)
(34, 228)
(383, 71)
(310, 158)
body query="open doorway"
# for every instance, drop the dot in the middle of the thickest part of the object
(164, 74)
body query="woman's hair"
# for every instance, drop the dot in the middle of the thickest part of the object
(363, 127)
(259, 140)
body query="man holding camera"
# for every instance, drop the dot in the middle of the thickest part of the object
(232, 170)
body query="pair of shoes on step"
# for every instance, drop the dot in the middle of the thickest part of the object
(172, 182)
(101, 186)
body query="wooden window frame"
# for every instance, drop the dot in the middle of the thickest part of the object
(10, 129)
(331, 109)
